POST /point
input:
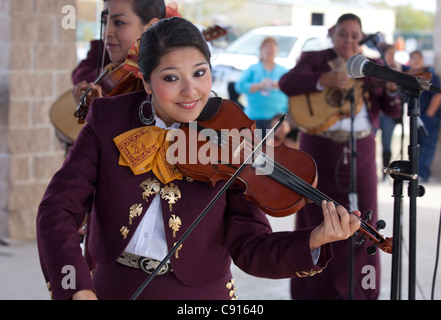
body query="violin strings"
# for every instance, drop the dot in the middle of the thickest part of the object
(297, 184)
(308, 191)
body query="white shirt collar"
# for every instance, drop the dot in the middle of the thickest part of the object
(161, 124)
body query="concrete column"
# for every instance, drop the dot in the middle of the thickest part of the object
(37, 58)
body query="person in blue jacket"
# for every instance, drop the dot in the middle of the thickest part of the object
(260, 84)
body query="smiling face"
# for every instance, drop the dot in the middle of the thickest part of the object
(180, 85)
(123, 27)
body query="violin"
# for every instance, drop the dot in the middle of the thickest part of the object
(423, 73)
(114, 80)
(280, 185)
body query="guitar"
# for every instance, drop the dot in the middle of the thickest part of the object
(61, 115)
(63, 109)
(315, 112)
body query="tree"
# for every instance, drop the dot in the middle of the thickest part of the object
(411, 20)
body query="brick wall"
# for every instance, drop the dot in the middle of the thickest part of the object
(37, 57)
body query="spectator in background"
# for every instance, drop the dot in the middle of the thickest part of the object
(430, 114)
(260, 83)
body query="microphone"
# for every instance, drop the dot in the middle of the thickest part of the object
(368, 38)
(359, 66)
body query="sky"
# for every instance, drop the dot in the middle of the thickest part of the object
(427, 5)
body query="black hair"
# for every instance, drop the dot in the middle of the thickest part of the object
(348, 16)
(419, 52)
(146, 10)
(166, 36)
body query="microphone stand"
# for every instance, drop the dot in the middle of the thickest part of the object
(400, 171)
(353, 197)
(414, 188)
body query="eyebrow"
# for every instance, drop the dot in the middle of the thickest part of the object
(113, 16)
(175, 68)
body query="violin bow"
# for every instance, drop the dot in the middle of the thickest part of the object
(208, 207)
(102, 48)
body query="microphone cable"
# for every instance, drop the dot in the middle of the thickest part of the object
(436, 259)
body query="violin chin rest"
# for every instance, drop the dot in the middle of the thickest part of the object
(211, 108)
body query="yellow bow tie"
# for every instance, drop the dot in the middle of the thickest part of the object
(144, 149)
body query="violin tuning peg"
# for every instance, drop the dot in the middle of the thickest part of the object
(372, 250)
(360, 240)
(368, 216)
(381, 224)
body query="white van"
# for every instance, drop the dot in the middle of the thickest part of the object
(244, 51)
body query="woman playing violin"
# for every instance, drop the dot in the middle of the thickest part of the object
(316, 72)
(139, 212)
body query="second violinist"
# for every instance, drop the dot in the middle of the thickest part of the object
(141, 206)
(125, 21)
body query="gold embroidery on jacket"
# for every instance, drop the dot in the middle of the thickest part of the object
(135, 211)
(174, 223)
(172, 194)
(124, 232)
(150, 187)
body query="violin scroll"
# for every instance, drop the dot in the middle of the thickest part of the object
(385, 244)
(213, 33)
(114, 80)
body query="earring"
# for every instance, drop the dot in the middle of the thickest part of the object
(143, 119)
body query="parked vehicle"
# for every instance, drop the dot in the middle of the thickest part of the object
(228, 65)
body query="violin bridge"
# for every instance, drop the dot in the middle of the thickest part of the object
(263, 164)
(220, 138)
(239, 149)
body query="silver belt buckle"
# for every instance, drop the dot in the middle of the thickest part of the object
(149, 266)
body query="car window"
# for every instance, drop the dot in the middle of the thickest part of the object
(251, 44)
(312, 44)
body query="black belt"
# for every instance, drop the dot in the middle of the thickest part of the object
(145, 264)
(340, 136)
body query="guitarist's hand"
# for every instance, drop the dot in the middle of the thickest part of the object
(334, 79)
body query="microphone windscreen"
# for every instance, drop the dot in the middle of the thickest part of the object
(355, 65)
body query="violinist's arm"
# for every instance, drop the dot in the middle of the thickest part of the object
(337, 225)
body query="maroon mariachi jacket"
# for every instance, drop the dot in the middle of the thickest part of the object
(91, 180)
(304, 77)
